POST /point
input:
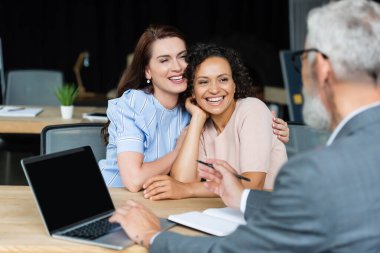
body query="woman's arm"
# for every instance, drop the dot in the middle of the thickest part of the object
(131, 166)
(166, 187)
(257, 180)
(185, 166)
(134, 172)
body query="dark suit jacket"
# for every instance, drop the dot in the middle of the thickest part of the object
(324, 201)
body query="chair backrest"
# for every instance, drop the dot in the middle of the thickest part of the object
(293, 86)
(2, 77)
(56, 138)
(33, 87)
(304, 138)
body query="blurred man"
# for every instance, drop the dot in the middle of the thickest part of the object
(324, 201)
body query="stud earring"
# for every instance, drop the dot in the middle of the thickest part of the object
(148, 81)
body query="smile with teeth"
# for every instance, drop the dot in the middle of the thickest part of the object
(176, 78)
(214, 100)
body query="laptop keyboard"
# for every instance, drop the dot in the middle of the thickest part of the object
(93, 230)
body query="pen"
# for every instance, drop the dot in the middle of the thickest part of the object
(16, 109)
(236, 175)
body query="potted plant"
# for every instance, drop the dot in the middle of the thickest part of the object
(66, 95)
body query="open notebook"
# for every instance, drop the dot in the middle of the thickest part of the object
(215, 221)
(19, 111)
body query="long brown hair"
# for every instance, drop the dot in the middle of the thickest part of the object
(133, 76)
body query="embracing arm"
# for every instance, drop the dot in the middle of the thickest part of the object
(280, 129)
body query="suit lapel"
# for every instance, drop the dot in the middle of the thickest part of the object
(362, 120)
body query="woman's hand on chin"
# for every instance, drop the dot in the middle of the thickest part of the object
(194, 109)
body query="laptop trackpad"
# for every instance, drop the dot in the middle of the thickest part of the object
(118, 237)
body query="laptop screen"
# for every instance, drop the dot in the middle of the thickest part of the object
(68, 186)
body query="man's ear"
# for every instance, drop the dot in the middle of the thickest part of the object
(323, 70)
(326, 80)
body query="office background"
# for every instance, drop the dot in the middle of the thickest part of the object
(51, 34)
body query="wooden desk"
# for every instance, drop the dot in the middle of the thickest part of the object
(22, 229)
(49, 116)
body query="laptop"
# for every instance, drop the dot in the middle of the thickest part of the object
(73, 198)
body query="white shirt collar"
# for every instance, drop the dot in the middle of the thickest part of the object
(346, 119)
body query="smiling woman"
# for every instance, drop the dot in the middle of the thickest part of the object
(238, 128)
(227, 123)
(214, 90)
(146, 118)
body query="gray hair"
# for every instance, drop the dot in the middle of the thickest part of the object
(348, 32)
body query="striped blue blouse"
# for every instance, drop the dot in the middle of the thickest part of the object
(138, 122)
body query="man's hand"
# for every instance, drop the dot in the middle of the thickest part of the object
(222, 182)
(165, 187)
(138, 222)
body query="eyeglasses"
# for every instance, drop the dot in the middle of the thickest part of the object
(296, 57)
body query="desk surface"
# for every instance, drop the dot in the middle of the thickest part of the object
(49, 116)
(22, 230)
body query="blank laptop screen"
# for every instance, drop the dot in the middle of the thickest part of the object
(68, 186)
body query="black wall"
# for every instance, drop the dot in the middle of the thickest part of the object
(51, 33)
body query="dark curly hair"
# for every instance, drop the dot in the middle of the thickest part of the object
(200, 52)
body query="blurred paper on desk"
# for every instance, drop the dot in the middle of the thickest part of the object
(19, 111)
(96, 117)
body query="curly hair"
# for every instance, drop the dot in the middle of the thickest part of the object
(200, 52)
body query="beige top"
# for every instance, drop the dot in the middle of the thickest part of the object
(247, 142)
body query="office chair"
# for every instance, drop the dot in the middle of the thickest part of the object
(304, 138)
(2, 77)
(293, 86)
(56, 138)
(27, 87)
(33, 87)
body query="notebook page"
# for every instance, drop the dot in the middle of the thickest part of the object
(227, 213)
(204, 222)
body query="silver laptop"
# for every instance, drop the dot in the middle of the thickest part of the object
(73, 199)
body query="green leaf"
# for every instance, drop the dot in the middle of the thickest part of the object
(67, 94)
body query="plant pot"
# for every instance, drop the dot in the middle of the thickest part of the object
(67, 111)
